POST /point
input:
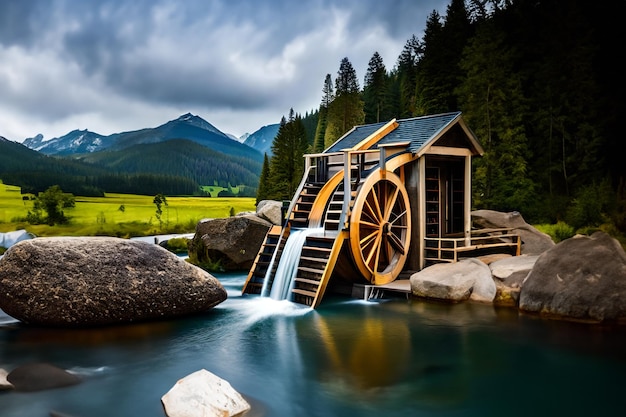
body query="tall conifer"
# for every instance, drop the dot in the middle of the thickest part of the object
(375, 90)
(346, 110)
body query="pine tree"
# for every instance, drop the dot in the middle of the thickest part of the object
(406, 74)
(263, 189)
(375, 90)
(287, 163)
(346, 110)
(322, 121)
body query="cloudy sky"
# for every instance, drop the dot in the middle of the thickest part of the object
(118, 65)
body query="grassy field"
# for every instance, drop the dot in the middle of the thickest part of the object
(123, 215)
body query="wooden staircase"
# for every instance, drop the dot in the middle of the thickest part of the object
(319, 254)
(273, 244)
(299, 217)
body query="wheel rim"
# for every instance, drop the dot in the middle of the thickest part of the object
(380, 228)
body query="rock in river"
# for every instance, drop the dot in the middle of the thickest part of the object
(92, 281)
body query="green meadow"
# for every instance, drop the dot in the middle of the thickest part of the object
(122, 215)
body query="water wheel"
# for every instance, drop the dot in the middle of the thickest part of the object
(380, 227)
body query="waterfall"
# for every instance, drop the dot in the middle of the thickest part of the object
(288, 264)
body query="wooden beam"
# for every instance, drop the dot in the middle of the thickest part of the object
(376, 136)
(446, 150)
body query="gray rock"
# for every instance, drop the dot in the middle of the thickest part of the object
(534, 242)
(203, 394)
(508, 274)
(87, 281)
(40, 376)
(454, 281)
(581, 278)
(233, 241)
(271, 211)
(4, 384)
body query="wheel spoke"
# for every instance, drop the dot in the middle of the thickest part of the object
(376, 199)
(370, 212)
(368, 224)
(375, 250)
(398, 217)
(396, 242)
(367, 240)
(391, 202)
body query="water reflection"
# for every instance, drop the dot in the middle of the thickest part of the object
(360, 352)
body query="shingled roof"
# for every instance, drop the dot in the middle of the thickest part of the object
(417, 132)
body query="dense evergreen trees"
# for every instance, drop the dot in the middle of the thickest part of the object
(287, 164)
(539, 84)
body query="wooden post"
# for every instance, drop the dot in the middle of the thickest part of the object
(467, 215)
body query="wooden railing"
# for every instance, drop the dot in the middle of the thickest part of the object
(448, 249)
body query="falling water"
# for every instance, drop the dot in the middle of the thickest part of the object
(288, 264)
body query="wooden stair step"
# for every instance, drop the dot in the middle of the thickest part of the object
(314, 259)
(316, 249)
(311, 294)
(307, 281)
(311, 270)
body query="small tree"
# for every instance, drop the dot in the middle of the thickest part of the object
(52, 202)
(159, 200)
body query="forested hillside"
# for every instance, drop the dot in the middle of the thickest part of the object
(537, 81)
(181, 158)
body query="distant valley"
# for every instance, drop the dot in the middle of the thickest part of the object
(177, 158)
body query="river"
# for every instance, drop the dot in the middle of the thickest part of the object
(349, 357)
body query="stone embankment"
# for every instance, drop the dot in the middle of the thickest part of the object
(582, 278)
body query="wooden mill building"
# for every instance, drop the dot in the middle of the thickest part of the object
(383, 200)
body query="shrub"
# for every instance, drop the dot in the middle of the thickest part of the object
(206, 263)
(559, 231)
(177, 245)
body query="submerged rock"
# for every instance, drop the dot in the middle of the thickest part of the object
(40, 376)
(4, 384)
(87, 281)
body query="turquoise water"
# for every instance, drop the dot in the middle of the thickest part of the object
(349, 357)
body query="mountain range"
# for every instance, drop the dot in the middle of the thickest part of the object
(187, 151)
(187, 126)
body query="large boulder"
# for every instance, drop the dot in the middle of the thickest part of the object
(581, 278)
(91, 281)
(40, 376)
(458, 281)
(203, 394)
(534, 242)
(233, 242)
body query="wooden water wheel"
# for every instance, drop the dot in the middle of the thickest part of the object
(380, 227)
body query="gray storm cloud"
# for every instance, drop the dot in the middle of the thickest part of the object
(65, 60)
